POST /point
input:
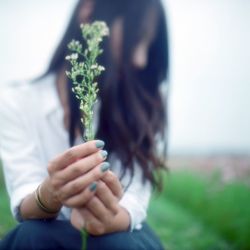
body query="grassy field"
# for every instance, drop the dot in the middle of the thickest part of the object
(6, 221)
(192, 213)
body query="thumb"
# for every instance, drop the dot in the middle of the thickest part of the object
(76, 219)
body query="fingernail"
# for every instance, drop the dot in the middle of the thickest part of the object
(92, 186)
(99, 144)
(104, 153)
(105, 166)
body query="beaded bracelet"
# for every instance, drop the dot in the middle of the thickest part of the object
(41, 205)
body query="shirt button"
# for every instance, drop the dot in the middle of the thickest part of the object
(138, 227)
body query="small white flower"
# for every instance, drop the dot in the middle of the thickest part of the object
(74, 56)
(101, 68)
(94, 66)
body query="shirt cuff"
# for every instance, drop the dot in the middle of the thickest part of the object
(136, 212)
(18, 195)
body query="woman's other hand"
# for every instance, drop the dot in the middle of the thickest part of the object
(103, 214)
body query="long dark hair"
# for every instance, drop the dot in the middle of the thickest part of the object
(132, 110)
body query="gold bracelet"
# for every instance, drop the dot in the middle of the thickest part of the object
(41, 205)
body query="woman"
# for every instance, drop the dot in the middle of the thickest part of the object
(48, 169)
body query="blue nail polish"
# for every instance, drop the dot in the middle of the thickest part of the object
(92, 186)
(104, 153)
(99, 144)
(105, 166)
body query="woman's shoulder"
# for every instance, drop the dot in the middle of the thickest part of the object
(20, 95)
(11, 94)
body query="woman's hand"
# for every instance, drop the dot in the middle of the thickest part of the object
(73, 174)
(103, 214)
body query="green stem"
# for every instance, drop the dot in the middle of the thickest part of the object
(84, 235)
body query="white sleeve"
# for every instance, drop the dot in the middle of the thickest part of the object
(20, 158)
(136, 199)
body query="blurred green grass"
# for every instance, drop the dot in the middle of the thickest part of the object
(193, 213)
(225, 208)
(6, 220)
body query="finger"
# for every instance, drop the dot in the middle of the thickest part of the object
(96, 207)
(91, 223)
(81, 167)
(108, 199)
(77, 219)
(77, 185)
(81, 198)
(112, 181)
(77, 152)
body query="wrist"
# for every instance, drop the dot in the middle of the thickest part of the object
(122, 220)
(48, 197)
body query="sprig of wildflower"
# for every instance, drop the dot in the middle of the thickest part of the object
(83, 74)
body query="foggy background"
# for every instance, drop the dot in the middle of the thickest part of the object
(209, 102)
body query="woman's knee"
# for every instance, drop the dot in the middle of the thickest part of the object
(114, 241)
(44, 234)
(143, 239)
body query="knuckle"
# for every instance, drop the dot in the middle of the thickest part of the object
(106, 218)
(54, 183)
(101, 189)
(111, 178)
(101, 186)
(70, 154)
(92, 202)
(62, 179)
(75, 186)
(114, 207)
(95, 174)
(76, 170)
(83, 200)
(60, 197)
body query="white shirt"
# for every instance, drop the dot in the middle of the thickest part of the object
(32, 133)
